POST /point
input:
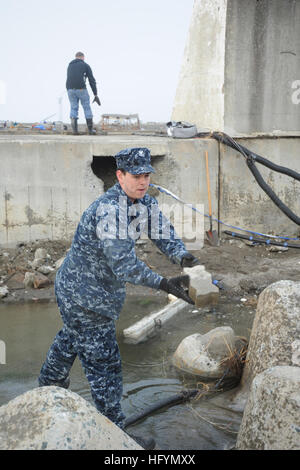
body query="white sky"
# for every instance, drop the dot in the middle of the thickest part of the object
(134, 47)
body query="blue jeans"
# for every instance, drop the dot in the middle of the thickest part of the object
(79, 95)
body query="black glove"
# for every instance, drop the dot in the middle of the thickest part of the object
(97, 100)
(174, 286)
(189, 261)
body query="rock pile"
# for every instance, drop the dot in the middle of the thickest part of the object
(30, 266)
(41, 268)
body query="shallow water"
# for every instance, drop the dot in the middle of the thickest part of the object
(29, 329)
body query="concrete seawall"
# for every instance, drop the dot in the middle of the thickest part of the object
(47, 181)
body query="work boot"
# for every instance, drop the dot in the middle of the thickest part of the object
(90, 127)
(74, 126)
(147, 444)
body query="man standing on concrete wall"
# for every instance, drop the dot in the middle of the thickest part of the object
(90, 285)
(77, 73)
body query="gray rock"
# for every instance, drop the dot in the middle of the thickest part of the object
(3, 291)
(40, 256)
(36, 263)
(275, 248)
(202, 354)
(29, 280)
(53, 418)
(271, 419)
(40, 253)
(296, 352)
(45, 269)
(275, 328)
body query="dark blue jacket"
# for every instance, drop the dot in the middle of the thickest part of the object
(102, 255)
(77, 73)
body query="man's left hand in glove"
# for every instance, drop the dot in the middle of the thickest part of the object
(97, 100)
(177, 286)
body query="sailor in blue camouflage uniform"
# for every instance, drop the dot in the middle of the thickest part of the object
(90, 284)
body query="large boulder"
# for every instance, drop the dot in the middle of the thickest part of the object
(275, 332)
(204, 355)
(271, 419)
(53, 418)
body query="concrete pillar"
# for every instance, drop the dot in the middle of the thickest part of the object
(241, 69)
(274, 337)
(271, 420)
(200, 96)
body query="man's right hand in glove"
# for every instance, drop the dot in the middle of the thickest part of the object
(97, 100)
(175, 286)
(189, 261)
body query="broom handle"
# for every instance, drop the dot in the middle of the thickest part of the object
(208, 185)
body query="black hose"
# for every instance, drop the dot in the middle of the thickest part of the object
(251, 158)
(224, 138)
(223, 383)
(260, 240)
(265, 187)
(172, 400)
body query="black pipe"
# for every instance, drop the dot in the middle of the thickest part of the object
(259, 159)
(173, 400)
(263, 241)
(265, 187)
(222, 384)
(251, 158)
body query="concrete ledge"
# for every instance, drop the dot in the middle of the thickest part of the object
(47, 182)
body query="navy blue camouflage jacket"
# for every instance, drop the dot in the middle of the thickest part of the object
(102, 256)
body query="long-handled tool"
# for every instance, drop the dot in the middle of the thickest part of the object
(211, 235)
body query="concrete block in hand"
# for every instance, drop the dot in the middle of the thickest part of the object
(202, 290)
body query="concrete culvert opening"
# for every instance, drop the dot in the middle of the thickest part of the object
(105, 169)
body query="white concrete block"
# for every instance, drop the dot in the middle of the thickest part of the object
(202, 290)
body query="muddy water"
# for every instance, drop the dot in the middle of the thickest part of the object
(29, 329)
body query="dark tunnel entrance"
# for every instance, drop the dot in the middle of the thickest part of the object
(105, 169)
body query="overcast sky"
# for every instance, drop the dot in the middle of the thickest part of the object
(134, 47)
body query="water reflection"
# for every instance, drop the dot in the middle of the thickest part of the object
(28, 331)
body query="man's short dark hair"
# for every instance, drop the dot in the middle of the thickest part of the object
(79, 54)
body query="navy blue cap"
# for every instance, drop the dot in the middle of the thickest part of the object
(134, 160)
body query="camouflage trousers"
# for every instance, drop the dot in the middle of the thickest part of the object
(94, 341)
